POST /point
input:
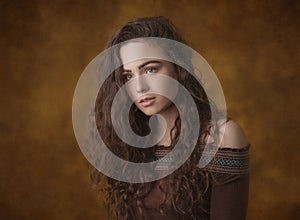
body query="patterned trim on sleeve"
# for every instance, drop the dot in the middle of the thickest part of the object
(229, 160)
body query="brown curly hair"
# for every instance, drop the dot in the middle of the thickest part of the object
(186, 189)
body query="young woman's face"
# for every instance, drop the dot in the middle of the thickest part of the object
(146, 91)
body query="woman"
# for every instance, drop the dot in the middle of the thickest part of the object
(217, 191)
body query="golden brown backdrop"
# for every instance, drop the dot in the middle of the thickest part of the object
(253, 46)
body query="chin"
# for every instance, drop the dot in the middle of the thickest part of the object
(148, 113)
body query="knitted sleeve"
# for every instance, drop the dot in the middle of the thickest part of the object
(230, 184)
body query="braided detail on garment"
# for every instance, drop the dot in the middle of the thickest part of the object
(229, 160)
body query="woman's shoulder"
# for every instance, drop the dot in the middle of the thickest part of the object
(232, 154)
(234, 136)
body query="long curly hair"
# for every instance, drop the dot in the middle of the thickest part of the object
(187, 189)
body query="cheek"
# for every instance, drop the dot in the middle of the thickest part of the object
(166, 87)
(131, 92)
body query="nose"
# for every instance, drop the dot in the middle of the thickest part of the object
(141, 85)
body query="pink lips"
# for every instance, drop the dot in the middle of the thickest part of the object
(145, 102)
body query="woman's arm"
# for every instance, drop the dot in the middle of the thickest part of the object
(229, 199)
(230, 172)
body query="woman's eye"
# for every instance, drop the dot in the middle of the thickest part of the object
(151, 70)
(127, 77)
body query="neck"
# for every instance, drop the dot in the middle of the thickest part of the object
(170, 118)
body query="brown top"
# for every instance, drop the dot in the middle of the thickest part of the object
(228, 193)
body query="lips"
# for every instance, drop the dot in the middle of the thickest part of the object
(147, 101)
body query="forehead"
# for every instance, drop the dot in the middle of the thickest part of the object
(141, 51)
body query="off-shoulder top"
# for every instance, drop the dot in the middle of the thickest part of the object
(228, 193)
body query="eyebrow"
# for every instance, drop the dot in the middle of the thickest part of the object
(143, 65)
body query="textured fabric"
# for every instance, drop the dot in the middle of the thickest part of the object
(227, 196)
(231, 161)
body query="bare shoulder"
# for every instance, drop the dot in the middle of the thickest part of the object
(234, 136)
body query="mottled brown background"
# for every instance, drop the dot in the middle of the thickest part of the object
(253, 46)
